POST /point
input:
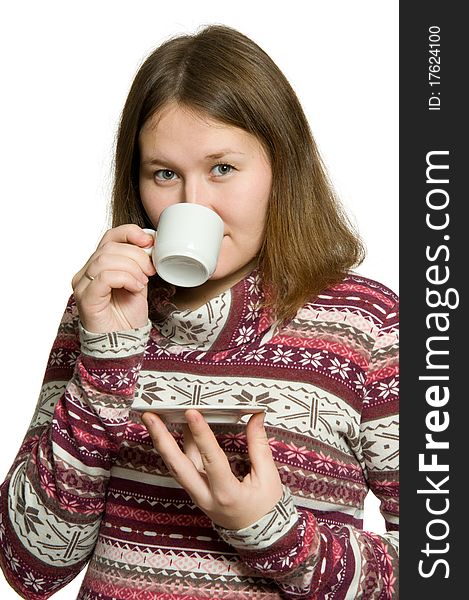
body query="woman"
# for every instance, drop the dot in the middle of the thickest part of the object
(227, 511)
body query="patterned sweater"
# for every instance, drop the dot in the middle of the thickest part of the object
(87, 486)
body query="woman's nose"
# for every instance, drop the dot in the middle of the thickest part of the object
(196, 192)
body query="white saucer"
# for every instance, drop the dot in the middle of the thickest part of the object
(223, 413)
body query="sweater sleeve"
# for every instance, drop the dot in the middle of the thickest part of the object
(53, 497)
(311, 560)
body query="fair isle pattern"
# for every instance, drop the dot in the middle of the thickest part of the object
(299, 407)
(111, 345)
(88, 486)
(198, 328)
(267, 530)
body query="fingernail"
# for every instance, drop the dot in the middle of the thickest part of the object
(149, 419)
(192, 416)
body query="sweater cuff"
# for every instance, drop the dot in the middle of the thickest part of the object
(267, 530)
(117, 344)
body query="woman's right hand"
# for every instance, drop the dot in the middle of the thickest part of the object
(111, 288)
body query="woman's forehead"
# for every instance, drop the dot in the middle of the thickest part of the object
(174, 126)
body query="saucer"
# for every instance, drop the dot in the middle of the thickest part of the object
(223, 413)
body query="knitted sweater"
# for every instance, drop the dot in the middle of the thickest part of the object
(87, 486)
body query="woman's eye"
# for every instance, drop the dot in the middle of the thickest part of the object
(222, 169)
(165, 175)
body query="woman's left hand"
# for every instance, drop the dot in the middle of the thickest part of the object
(205, 473)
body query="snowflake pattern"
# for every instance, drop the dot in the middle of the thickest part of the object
(56, 358)
(333, 365)
(389, 388)
(72, 358)
(360, 381)
(389, 583)
(103, 378)
(323, 461)
(119, 379)
(284, 356)
(315, 360)
(342, 469)
(253, 309)
(37, 583)
(70, 504)
(123, 379)
(13, 562)
(30, 516)
(287, 560)
(253, 285)
(256, 354)
(340, 368)
(235, 441)
(366, 446)
(265, 565)
(46, 485)
(157, 351)
(191, 331)
(384, 555)
(295, 453)
(244, 335)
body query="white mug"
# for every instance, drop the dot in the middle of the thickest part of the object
(187, 245)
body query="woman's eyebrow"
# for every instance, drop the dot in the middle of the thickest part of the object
(155, 160)
(222, 153)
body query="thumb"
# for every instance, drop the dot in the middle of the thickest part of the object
(260, 454)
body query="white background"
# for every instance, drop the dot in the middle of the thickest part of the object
(65, 71)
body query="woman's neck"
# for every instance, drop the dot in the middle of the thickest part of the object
(193, 298)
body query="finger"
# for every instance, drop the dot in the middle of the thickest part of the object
(149, 249)
(115, 255)
(127, 234)
(214, 459)
(110, 249)
(103, 284)
(116, 262)
(139, 255)
(191, 450)
(179, 465)
(259, 451)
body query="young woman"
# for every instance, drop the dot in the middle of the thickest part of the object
(268, 509)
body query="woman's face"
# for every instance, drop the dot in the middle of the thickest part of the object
(187, 157)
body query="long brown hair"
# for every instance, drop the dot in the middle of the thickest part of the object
(308, 241)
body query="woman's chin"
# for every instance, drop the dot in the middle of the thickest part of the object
(232, 273)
